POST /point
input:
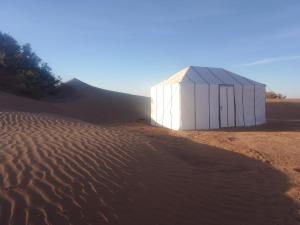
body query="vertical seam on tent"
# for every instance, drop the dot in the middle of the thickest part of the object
(199, 75)
(227, 104)
(215, 75)
(254, 106)
(234, 106)
(195, 109)
(243, 105)
(194, 94)
(234, 94)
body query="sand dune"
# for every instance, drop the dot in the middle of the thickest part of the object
(82, 101)
(58, 169)
(79, 100)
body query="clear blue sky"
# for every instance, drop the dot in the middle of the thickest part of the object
(130, 45)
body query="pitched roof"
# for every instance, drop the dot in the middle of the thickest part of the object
(208, 75)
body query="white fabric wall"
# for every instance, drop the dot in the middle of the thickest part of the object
(239, 109)
(175, 108)
(214, 106)
(223, 104)
(187, 106)
(248, 98)
(260, 104)
(159, 104)
(167, 119)
(231, 107)
(153, 105)
(202, 107)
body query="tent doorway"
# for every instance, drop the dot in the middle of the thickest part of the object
(227, 106)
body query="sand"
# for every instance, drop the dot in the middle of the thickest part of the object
(72, 166)
(79, 100)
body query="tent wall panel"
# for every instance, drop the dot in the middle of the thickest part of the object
(223, 106)
(167, 119)
(160, 104)
(260, 104)
(187, 106)
(231, 106)
(214, 106)
(202, 107)
(153, 106)
(239, 109)
(227, 106)
(249, 105)
(175, 109)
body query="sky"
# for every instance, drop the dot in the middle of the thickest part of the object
(130, 45)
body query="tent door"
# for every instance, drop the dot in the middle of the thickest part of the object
(227, 106)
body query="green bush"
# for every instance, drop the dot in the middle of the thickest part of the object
(22, 71)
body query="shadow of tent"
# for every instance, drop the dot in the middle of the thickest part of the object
(270, 126)
(183, 182)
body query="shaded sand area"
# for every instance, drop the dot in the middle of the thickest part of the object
(79, 100)
(56, 168)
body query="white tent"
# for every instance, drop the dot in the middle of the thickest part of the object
(198, 98)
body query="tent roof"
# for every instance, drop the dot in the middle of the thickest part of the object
(208, 75)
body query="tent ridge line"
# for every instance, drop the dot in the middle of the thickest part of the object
(190, 78)
(199, 75)
(215, 75)
(244, 78)
(232, 76)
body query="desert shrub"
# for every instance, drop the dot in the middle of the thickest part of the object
(22, 71)
(273, 95)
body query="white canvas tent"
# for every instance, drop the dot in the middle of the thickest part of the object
(198, 98)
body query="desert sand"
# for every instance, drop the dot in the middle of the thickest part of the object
(81, 158)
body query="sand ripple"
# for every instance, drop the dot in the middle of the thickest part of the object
(55, 170)
(59, 171)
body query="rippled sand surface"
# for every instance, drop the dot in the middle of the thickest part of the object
(56, 170)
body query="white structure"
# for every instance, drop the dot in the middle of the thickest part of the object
(207, 98)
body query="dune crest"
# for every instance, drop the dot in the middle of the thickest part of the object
(79, 100)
